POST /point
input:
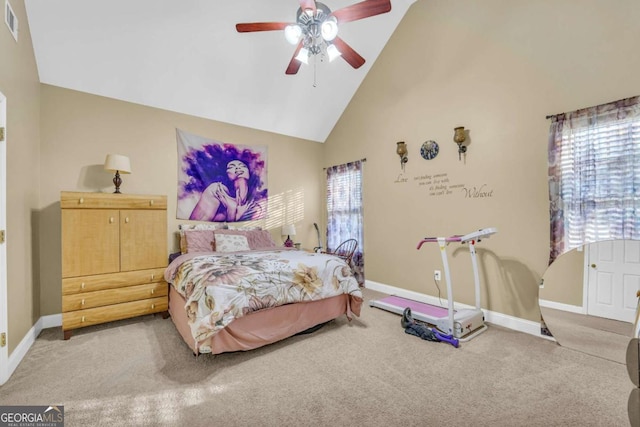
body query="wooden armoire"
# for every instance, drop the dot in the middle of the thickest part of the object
(114, 253)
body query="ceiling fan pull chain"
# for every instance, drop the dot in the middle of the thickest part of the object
(315, 67)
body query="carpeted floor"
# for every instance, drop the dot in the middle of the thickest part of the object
(364, 373)
(589, 334)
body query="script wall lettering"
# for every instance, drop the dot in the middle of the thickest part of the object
(439, 185)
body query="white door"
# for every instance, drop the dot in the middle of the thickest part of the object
(4, 351)
(613, 279)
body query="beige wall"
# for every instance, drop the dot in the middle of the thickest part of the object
(564, 279)
(497, 67)
(20, 84)
(79, 130)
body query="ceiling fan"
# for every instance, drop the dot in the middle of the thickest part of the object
(315, 31)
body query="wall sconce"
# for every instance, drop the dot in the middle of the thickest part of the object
(401, 150)
(459, 137)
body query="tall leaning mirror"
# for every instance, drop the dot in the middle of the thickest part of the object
(588, 298)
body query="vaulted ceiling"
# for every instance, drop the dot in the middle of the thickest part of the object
(186, 56)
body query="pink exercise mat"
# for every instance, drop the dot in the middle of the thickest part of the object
(416, 306)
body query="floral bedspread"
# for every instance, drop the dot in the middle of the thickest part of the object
(220, 287)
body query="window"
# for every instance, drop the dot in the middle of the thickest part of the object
(344, 210)
(594, 175)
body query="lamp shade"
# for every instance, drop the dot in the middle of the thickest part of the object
(289, 230)
(117, 162)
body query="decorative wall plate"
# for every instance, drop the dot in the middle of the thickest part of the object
(429, 150)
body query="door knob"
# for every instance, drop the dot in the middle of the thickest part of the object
(593, 266)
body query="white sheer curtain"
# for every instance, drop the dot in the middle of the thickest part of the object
(594, 175)
(345, 210)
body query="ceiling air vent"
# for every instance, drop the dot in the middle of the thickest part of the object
(10, 19)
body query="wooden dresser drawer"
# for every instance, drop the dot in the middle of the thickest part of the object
(94, 316)
(86, 300)
(80, 200)
(99, 282)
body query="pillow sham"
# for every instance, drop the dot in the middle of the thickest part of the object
(257, 239)
(201, 226)
(231, 243)
(198, 241)
(244, 228)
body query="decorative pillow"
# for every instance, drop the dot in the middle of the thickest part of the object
(231, 243)
(198, 241)
(187, 227)
(257, 239)
(260, 239)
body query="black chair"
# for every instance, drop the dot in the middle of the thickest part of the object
(345, 250)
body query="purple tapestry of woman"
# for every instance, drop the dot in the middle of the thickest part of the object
(229, 182)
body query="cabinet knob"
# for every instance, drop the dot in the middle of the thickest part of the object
(151, 202)
(82, 285)
(82, 302)
(153, 306)
(111, 220)
(153, 291)
(81, 200)
(153, 276)
(126, 220)
(82, 319)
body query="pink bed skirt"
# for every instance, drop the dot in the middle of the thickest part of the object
(265, 326)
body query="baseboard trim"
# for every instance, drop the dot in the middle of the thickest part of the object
(27, 341)
(51, 321)
(500, 319)
(563, 307)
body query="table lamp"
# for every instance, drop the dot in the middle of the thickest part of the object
(288, 230)
(119, 164)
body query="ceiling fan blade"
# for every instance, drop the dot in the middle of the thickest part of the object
(260, 26)
(294, 64)
(361, 10)
(308, 4)
(348, 54)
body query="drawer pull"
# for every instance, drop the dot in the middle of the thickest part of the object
(82, 302)
(153, 291)
(126, 220)
(82, 319)
(151, 203)
(153, 306)
(111, 220)
(81, 200)
(82, 285)
(153, 276)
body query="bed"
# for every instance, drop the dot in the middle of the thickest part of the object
(235, 290)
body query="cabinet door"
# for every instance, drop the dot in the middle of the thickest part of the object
(90, 242)
(143, 238)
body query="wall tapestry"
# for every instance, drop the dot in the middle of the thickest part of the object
(220, 182)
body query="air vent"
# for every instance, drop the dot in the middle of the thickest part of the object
(11, 20)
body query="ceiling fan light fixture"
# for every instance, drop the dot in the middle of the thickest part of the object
(332, 52)
(303, 55)
(292, 33)
(315, 31)
(329, 28)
